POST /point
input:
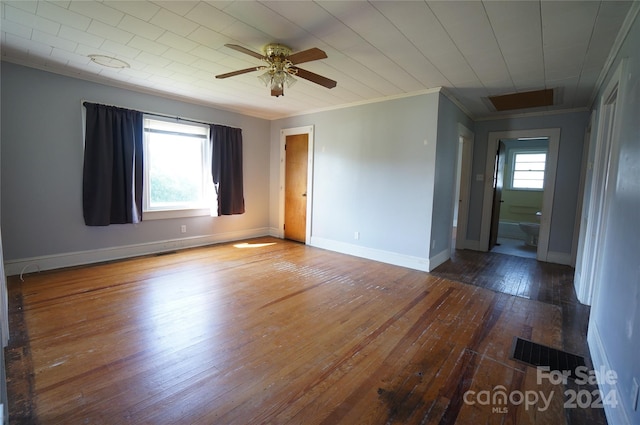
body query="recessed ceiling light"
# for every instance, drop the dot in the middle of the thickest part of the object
(109, 61)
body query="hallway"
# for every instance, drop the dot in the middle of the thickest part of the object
(534, 280)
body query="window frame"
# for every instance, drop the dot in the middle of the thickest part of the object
(208, 191)
(512, 169)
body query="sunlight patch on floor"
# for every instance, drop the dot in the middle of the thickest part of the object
(253, 245)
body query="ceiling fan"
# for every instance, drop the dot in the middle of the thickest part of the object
(281, 67)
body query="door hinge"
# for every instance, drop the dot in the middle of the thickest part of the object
(284, 227)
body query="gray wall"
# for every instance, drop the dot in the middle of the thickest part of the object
(373, 173)
(615, 313)
(42, 156)
(449, 119)
(385, 170)
(565, 200)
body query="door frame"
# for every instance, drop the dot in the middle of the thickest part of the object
(465, 153)
(499, 166)
(604, 168)
(582, 208)
(308, 130)
(553, 135)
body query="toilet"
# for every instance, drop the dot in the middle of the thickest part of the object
(531, 230)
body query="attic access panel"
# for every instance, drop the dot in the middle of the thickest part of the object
(523, 100)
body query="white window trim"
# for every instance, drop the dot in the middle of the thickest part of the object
(176, 213)
(512, 168)
(180, 211)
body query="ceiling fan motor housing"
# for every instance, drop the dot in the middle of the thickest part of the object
(274, 50)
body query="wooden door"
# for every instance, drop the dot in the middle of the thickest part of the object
(295, 187)
(498, 178)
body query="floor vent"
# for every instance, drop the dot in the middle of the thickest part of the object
(536, 355)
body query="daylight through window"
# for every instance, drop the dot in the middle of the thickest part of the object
(177, 175)
(528, 170)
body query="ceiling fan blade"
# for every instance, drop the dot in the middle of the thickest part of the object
(239, 72)
(245, 51)
(307, 56)
(315, 78)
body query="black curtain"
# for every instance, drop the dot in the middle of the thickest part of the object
(112, 175)
(226, 168)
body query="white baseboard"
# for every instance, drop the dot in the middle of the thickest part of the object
(617, 415)
(559, 258)
(276, 233)
(439, 258)
(70, 259)
(388, 257)
(581, 287)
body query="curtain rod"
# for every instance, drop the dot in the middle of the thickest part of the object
(158, 114)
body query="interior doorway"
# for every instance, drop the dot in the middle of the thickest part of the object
(464, 164)
(296, 178)
(491, 176)
(603, 167)
(518, 182)
(295, 187)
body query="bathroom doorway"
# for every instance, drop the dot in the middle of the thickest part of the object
(520, 225)
(518, 197)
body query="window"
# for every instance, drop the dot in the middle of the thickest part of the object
(528, 170)
(177, 172)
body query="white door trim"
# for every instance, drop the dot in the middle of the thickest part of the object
(553, 134)
(308, 130)
(604, 167)
(466, 144)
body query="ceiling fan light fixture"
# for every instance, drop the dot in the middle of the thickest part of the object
(265, 78)
(276, 80)
(289, 80)
(281, 67)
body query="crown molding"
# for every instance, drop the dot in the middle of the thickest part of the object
(362, 102)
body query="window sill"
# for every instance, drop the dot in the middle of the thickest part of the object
(165, 214)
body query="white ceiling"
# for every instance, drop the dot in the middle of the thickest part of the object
(376, 49)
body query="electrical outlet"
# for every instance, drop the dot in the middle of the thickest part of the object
(635, 389)
(356, 235)
(433, 244)
(183, 228)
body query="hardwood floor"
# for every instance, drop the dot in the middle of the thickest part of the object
(527, 278)
(539, 281)
(271, 331)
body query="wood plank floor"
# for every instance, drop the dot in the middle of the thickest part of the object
(526, 278)
(270, 331)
